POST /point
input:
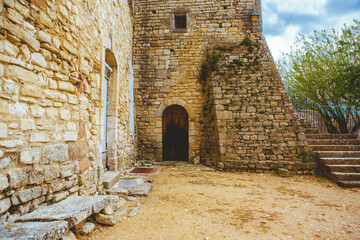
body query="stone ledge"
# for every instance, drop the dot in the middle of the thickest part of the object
(34, 230)
(74, 210)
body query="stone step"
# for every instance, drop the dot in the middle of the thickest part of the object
(344, 168)
(132, 187)
(331, 136)
(340, 161)
(335, 147)
(74, 210)
(347, 176)
(339, 154)
(315, 142)
(349, 184)
(34, 230)
(311, 131)
(110, 178)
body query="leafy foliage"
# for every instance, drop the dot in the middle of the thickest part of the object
(325, 68)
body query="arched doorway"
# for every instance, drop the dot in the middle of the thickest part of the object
(175, 134)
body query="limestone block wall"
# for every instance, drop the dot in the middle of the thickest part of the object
(52, 58)
(168, 61)
(250, 109)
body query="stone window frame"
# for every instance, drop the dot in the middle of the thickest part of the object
(110, 57)
(188, 20)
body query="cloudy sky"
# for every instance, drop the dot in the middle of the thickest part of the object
(283, 20)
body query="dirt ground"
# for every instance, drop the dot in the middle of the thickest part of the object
(186, 203)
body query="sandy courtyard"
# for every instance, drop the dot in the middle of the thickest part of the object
(186, 203)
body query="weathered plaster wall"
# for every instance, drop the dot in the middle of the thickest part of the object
(51, 85)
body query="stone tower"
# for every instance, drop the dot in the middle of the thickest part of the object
(206, 85)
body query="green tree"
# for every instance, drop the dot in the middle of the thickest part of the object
(324, 68)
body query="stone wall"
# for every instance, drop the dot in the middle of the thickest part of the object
(168, 61)
(250, 109)
(52, 56)
(241, 118)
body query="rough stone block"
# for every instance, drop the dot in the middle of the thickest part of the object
(110, 178)
(51, 173)
(3, 130)
(27, 124)
(65, 114)
(9, 3)
(36, 176)
(57, 185)
(18, 109)
(70, 136)
(37, 111)
(34, 230)
(17, 177)
(11, 143)
(4, 182)
(4, 162)
(87, 228)
(108, 211)
(44, 37)
(283, 172)
(31, 91)
(29, 194)
(72, 181)
(66, 86)
(73, 151)
(84, 165)
(39, 3)
(68, 46)
(55, 153)
(60, 196)
(10, 49)
(21, 33)
(39, 137)
(67, 171)
(21, 74)
(30, 156)
(83, 149)
(105, 219)
(5, 204)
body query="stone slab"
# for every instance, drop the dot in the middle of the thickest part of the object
(142, 190)
(110, 178)
(34, 230)
(74, 210)
(128, 183)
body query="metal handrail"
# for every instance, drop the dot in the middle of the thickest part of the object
(327, 119)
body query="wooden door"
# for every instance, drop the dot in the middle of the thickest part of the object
(175, 134)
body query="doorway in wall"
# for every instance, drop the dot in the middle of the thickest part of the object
(175, 134)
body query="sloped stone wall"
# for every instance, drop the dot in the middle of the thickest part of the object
(51, 97)
(257, 127)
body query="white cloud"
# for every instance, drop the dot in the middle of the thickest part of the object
(313, 7)
(283, 43)
(271, 16)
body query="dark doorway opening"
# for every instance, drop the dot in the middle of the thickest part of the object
(175, 138)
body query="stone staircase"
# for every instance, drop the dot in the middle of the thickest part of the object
(338, 155)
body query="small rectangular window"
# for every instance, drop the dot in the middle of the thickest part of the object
(180, 21)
